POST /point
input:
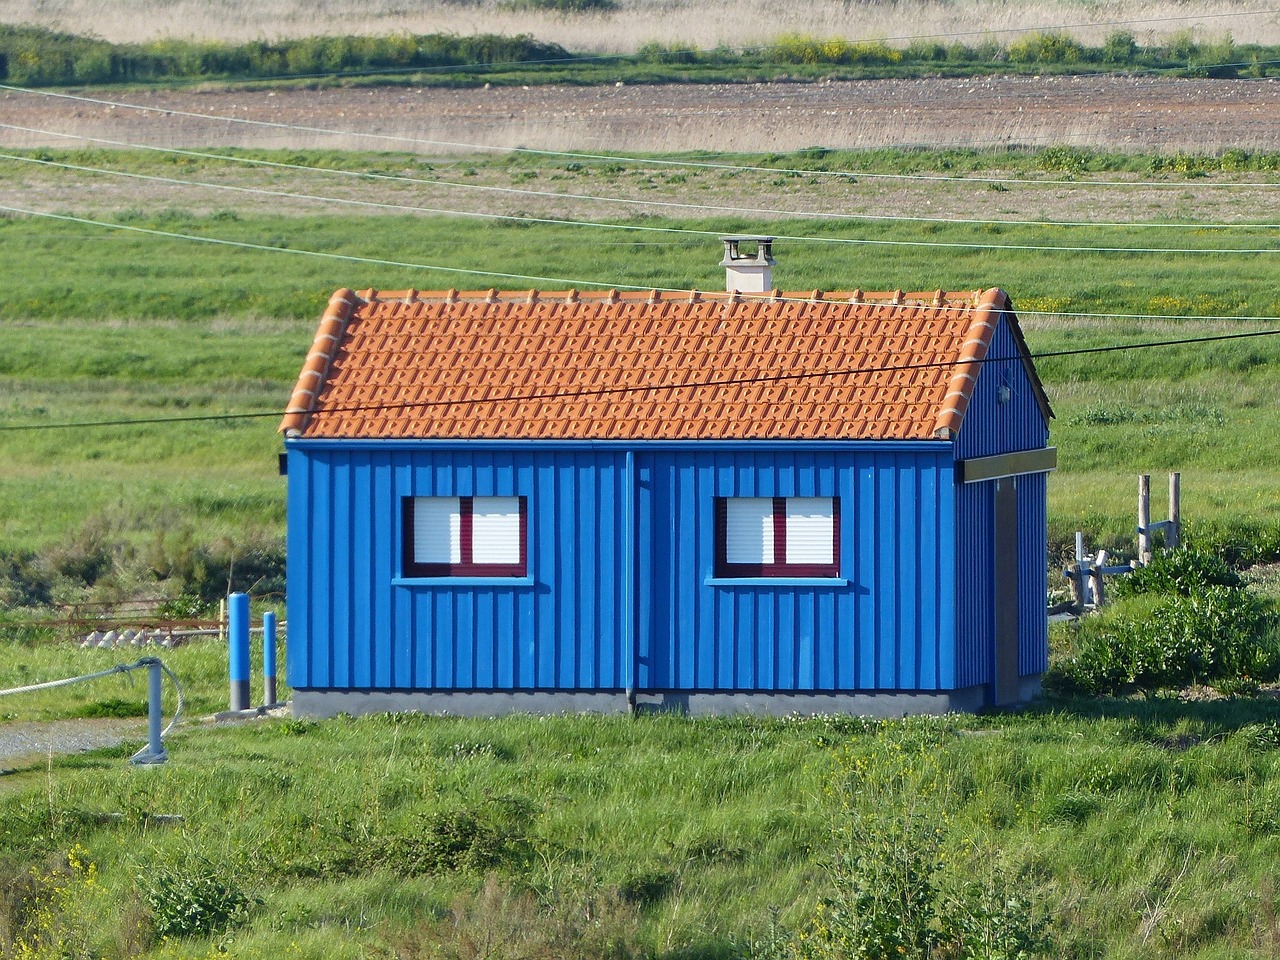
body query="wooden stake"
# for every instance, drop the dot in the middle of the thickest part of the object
(1144, 518)
(1173, 537)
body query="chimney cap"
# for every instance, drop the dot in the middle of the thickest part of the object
(763, 254)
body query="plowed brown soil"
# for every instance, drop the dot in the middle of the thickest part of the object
(1124, 113)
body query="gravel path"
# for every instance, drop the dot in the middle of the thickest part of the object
(23, 743)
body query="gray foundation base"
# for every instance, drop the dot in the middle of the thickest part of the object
(466, 703)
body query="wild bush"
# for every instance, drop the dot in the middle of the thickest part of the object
(1181, 572)
(1048, 47)
(903, 885)
(192, 899)
(1184, 619)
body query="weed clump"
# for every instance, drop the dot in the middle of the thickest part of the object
(192, 900)
(1184, 619)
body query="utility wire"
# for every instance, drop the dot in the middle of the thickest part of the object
(678, 385)
(615, 158)
(548, 195)
(442, 268)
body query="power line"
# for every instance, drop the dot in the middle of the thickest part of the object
(545, 195)
(615, 158)
(679, 385)
(852, 241)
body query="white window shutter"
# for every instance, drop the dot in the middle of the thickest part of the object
(810, 533)
(437, 530)
(495, 530)
(748, 530)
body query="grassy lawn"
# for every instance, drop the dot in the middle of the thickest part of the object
(1123, 828)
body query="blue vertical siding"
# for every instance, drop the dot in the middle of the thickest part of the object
(1033, 574)
(880, 630)
(991, 427)
(357, 625)
(975, 583)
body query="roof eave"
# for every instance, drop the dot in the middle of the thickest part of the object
(319, 358)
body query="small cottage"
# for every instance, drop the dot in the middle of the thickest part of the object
(747, 501)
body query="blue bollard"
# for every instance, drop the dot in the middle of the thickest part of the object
(269, 659)
(238, 653)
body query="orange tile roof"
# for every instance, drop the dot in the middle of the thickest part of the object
(532, 365)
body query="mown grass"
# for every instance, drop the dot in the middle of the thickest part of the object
(1140, 829)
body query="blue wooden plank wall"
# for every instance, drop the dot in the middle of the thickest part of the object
(991, 427)
(890, 626)
(976, 588)
(1033, 574)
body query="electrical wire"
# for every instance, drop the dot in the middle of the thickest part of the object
(647, 388)
(548, 195)
(852, 241)
(616, 158)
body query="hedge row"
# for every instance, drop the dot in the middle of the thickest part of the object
(31, 56)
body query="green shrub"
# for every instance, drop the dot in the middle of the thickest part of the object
(1120, 47)
(193, 899)
(1219, 635)
(902, 887)
(1180, 572)
(1046, 48)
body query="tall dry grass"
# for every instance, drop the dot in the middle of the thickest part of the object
(706, 23)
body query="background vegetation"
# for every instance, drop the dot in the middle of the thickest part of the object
(34, 56)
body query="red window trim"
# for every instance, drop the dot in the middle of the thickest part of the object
(779, 567)
(467, 568)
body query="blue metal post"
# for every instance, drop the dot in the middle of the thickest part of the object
(238, 654)
(269, 658)
(155, 751)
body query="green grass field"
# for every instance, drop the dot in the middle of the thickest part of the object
(105, 324)
(1108, 829)
(1124, 829)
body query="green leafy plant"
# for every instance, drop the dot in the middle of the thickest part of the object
(192, 899)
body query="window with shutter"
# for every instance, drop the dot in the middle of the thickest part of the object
(465, 537)
(777, 537)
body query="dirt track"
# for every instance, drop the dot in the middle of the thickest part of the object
(1124, 113)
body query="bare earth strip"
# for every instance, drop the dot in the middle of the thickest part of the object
(1112, 112)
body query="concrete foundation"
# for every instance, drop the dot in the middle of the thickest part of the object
(490, 703)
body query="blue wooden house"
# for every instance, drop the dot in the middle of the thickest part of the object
(740, 501)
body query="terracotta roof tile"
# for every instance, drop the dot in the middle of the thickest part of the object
(530, 364)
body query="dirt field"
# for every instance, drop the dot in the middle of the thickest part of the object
(449, 125)
(1124, 113)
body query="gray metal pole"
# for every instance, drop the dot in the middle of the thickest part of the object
(1173, 536)
(155, 752)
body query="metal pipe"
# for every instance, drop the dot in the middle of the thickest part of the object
(269, 659)
(155, 752)
(630, 613)
(238, 649)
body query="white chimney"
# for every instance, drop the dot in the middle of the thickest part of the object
(748, 272)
